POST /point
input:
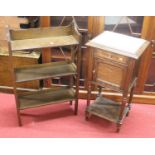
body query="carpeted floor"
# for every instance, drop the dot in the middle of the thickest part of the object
(59, 121)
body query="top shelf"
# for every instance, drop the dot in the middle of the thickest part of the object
(35, 38)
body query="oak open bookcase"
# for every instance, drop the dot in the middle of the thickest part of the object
(39, 38)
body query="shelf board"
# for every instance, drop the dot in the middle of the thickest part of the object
(46, 37)
(47, 42)
(46, 97)
(107, 109)
(44, 71)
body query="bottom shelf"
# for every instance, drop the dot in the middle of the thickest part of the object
(106, 109)
(45, 97)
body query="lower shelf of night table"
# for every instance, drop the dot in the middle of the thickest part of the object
(106, 108)
(45, 97)
(43, 71)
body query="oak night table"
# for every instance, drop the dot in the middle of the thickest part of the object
(115, 66)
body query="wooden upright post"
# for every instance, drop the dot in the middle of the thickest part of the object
(46, 52)
(148, 33)
(95, 27)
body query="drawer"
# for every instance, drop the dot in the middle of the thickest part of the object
(111, 56)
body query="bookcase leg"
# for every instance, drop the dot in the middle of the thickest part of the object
(19, 118)
(118, 127)
(77, 95)
(71, 86)
(77, 79)
(76, 107)
(88, 93)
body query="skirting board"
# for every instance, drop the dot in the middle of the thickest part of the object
(145, 98)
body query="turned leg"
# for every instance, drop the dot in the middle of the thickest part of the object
(76, 107)
(77, 96)
(18, 110)
(19, 118)
(88, 94)
(77, 78)
(130, 99)
(118, 127)
(122, 108)
(71, 86)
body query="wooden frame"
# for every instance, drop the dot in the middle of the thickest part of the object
(47, 37)
(115, 68)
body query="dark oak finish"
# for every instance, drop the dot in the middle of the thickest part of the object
(44, 71)
(45, 38)
(105, 108)
(115, 69)
(46, 97)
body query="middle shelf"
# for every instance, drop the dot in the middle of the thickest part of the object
(45, 97)
(42, 71)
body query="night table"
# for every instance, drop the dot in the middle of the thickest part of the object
(115, 66)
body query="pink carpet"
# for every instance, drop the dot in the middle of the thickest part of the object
(59, 121)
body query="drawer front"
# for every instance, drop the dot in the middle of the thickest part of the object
(109, 74)
(111, 56)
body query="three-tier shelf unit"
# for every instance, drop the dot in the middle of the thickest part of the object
(39, 38)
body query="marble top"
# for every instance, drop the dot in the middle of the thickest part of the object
(119, 44)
